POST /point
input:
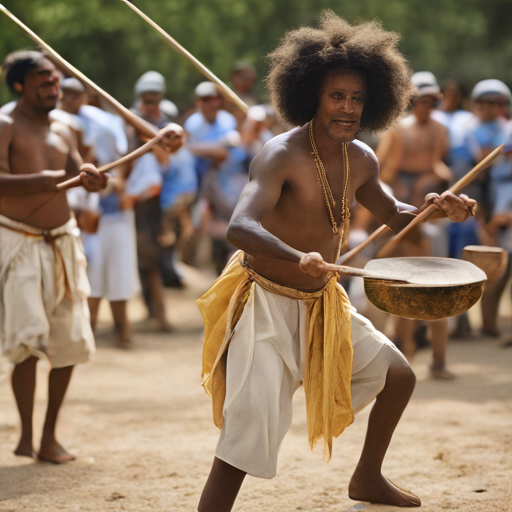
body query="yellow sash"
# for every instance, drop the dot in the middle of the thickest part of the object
(329, 347)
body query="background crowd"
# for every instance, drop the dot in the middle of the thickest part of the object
(164, 208)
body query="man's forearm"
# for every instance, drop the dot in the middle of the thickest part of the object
(209, 150)
(18, 184)
(405, 215)
(249, 235)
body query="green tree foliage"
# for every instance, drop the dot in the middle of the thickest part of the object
(463, 39)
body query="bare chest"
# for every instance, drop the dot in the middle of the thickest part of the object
(34, 149)
(419, 139)
(306, 195)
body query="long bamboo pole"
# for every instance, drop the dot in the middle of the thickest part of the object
(75, 182)
(142, 126)
(202, 68)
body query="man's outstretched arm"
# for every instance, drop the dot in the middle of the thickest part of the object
(257, 200)
(387, 210)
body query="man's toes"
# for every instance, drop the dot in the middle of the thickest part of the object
(55, 458)
(54, 453)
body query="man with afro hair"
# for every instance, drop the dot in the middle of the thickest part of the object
(277, 318)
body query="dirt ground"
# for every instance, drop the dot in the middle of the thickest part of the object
(142, 429)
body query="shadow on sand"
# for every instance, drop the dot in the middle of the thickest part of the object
(40, 478)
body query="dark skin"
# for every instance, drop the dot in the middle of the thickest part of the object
(281, 215)
(282, 223)
(33, 160)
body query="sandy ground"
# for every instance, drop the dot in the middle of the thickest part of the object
(141, 426)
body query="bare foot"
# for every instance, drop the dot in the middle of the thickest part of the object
(163, 326)
(441, 374)
(380, 490)
(124, 343)
(54, 452)
(24, 449)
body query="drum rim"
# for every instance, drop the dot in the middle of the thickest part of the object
(392, 284)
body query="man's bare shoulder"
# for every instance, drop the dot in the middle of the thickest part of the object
(63, 130)
(6, 129)
(364, 160)
(279, 154)
(6, 122)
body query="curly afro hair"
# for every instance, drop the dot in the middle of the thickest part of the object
(300, 63)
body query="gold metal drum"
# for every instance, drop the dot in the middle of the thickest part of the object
(492, 260)
(437, 287)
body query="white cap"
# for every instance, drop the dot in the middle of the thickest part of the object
(491, 90)
(206, 89)
(168, 108)
(72, 84)
(151, 81)
(426, 84)
(257, 113)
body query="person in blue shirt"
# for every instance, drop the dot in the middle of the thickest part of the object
(220, 156)
(178, 193)
(489, 129)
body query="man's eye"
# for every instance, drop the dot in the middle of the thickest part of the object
(358, 100)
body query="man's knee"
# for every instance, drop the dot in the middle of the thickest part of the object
(400, 373)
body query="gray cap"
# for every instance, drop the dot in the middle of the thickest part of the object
(426, 84)
(206, 89)
(72, 84)
(491, 90)
(151, 81)
(168, 108)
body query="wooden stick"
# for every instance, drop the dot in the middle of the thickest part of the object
(455, 188)
(356, 250)
(75, 182)
(393, 242)
(142, 126)
(203, 69)
(359, 272)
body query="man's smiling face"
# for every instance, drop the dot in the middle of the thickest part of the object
(41, 86)
(341, 104)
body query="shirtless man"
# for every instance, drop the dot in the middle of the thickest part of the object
(411, 160)
(412, 154)
(293, 321)
(43, 281)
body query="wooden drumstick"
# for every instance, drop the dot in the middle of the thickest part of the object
(142, 126)
(203, 69)
(393, 242)
(359, 272)
(356, 250)
(75, 182)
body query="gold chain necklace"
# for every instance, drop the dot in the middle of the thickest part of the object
(330, 202)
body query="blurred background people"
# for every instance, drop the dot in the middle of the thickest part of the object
(143, 187)
(111, 251)
(216, 144)
(411, 155)
(488, 129)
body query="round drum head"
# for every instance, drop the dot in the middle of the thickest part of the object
(428, 272)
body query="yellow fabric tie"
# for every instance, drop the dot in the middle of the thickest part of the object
(329, 348)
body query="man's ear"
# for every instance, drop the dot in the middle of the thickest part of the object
(18, 87)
